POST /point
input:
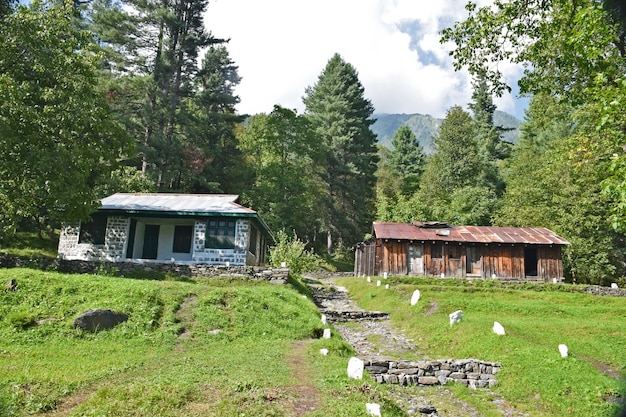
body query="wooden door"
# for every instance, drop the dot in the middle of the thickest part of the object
(150, 242)
(416, 259)
(473, 261)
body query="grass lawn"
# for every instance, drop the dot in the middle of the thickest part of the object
(534, 377)
(210, 347)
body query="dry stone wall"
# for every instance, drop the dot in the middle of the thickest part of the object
(469, 372)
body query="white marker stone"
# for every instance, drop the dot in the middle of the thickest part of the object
(498, 329)
(326, 333)
(456, 317)
(369, 279)
(324, 352)
(373, 409)
(415, 297)
(324, 319)
(378, 283)
(387, 286)
(283, 264)
(355, 368)
(563, 351)
(385, 275)
(443, 275)
(614, 286)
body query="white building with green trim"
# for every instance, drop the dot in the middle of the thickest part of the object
(191, 228)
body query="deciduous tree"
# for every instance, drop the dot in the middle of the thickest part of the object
(58, 135)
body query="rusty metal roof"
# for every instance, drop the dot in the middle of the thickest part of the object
(470, 234)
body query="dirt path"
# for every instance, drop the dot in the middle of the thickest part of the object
(304, 397)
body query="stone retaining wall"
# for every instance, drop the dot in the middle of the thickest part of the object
(274, 275)
(342, 316)
(469, 372)
(605, 291)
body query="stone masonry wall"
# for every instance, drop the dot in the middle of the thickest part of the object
(235, 257)
(116, 236)
(469, 372)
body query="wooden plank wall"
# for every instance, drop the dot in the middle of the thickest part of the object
(394, 258)
(365, 259)
(550, 263)
(505, 261)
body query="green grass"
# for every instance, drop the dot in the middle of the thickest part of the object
(534, 378)
(144, 368)
(28, 245)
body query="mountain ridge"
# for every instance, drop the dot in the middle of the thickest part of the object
(425, 127)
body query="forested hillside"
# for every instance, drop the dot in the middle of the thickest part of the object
(425, 127)
(132, 96)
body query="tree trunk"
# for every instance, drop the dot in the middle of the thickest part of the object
(329, 243)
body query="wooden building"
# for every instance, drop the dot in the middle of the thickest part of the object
(438, 249)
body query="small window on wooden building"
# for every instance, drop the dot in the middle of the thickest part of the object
(93, 231)
(182, 239)
(436, 252)
(220, 234)
(454, 251)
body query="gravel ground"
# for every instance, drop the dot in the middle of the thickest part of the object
(378, 339)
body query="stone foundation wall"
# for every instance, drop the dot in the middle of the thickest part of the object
(274, 275)
(469, 372)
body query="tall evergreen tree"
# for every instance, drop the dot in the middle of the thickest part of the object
(453, 187)
(152, 58)
(213, 162)
(407, 159)
(491, 148)
(341, 117)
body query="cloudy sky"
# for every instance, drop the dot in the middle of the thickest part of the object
(282, 46)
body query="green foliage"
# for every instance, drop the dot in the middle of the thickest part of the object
(284, 158)
(570, 180)
(293, 252)
(178, 106)
(553, 180)
(21, 319)
(341, 117)
(407, 159)
(58, 132)
(125, 179)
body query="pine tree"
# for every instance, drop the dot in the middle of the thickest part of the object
(452, 186)
(491, 148)
(152, 59)
(341, 117)
(407, 159)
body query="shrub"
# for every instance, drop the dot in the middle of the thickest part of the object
(293, 252)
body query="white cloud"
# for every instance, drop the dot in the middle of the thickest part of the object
(281, 47)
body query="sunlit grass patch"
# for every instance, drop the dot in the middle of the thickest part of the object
(534, 377)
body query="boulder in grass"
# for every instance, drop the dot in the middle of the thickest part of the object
(94, 320)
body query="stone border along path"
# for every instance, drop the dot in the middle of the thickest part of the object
(436, 400)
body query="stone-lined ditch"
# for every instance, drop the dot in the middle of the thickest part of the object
(384, 349)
